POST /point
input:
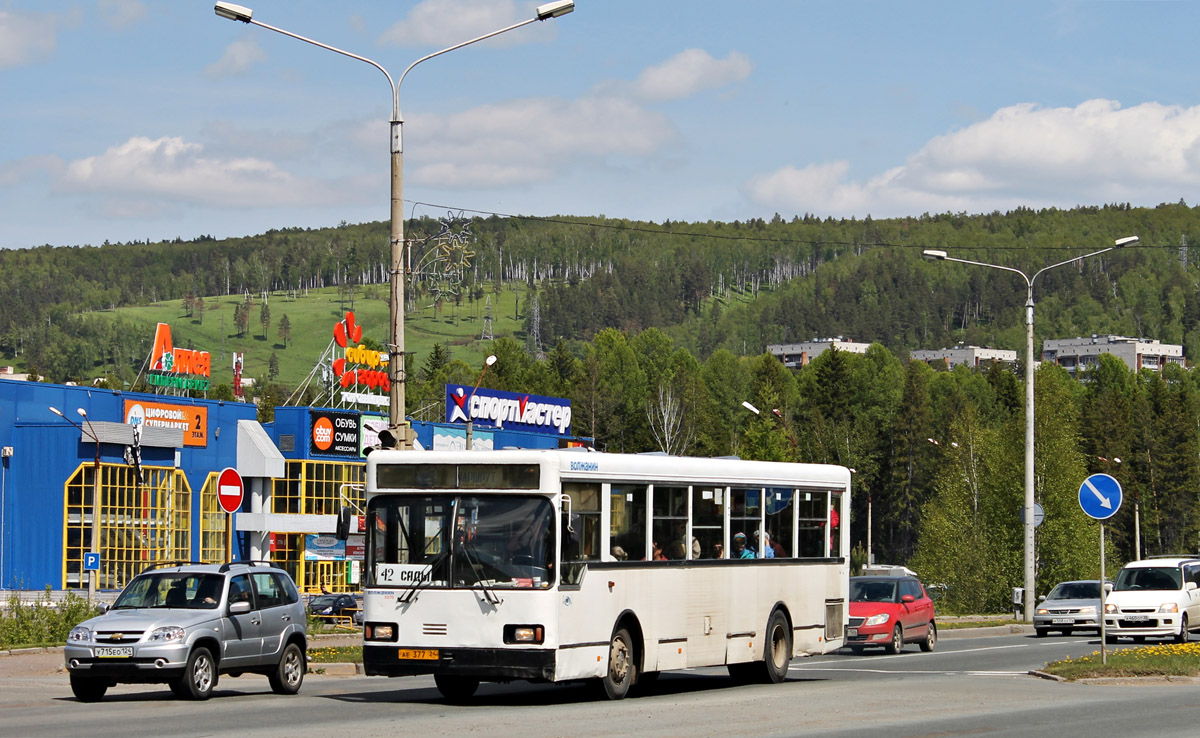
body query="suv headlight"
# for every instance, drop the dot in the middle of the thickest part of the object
(1110, 609)
(80, 634)
(1169, 607)
(879, 619)
(167, 634)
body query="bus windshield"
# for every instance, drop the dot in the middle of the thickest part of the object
(449, 541)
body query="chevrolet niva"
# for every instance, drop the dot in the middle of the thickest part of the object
(185, 625)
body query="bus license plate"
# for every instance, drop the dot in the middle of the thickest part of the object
(418, 654)
(118, 652)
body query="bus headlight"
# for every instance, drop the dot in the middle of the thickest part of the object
(379, 632)
(524, 634)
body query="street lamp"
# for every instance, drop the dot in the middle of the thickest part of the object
(1030, 523)
(95, 528)
(397, 424)
(1137, 523)
(778, 419)
(491, 359)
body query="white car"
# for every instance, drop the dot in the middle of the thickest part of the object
(1156, 597)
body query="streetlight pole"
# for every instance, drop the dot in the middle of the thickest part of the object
(397, 424)
(1137, 523)
(491, 359)
(95, 527)
(1030, 523)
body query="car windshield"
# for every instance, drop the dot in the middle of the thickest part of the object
(1148, 577)
(323, 601)
(172, 589)
(484, 540)
(872, 591)
(1076, 591)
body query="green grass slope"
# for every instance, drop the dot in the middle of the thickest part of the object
(312, 315)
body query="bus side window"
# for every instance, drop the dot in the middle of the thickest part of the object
(669, 526)
(811, 541)
(581, 534)
(628, 518)
(781, 525)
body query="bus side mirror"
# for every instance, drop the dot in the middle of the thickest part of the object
(343, 524)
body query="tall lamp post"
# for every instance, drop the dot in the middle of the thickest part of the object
(95, 528)
(491, 359)
(397, 424)
(1029, 522)
(1137, 523)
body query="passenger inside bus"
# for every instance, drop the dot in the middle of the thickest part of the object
(739, 548)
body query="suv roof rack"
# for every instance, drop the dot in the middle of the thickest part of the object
(1173, 556)
(168, 564)
(246, 562)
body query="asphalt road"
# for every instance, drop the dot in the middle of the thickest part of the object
(969, 686)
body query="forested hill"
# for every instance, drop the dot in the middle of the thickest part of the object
(709, 285)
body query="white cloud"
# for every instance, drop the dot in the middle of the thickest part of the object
(238, 58)
(173, 171)
(26, 38)
(531, 140)
(689, 72)
(444, 22)
(120, 14)
(1095, 152)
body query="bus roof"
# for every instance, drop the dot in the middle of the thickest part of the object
(580, 464)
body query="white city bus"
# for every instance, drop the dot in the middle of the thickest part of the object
(561, 565)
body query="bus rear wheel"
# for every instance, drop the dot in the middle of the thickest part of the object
(456, 688)
(778, 650)
(621, 672)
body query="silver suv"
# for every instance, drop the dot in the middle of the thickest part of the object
(184, 625)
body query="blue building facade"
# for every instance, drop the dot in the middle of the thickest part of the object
(70, 482)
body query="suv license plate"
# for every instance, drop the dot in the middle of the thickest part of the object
(1136, 618)
(118, 652)
(419, 654)
(1063, 621)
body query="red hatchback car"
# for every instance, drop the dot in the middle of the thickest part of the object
(889, 611)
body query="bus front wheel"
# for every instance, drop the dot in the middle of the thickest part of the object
(621, 672)
(456, 688)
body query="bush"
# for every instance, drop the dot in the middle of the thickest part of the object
(43, 622)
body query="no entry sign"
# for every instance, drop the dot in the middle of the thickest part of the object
(230, 490)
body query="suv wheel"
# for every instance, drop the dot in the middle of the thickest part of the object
(1184, 633)
(289, 674)
(199, 678)
(88, 689)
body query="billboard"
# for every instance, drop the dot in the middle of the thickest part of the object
(333, 433)
(510, 410)
(191, 419)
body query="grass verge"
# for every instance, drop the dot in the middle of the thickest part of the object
(335, 655)
(960, 624)
(1168, 659)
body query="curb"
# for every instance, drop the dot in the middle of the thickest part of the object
(1044, 675)
(335, 669)
(993, 630)
(26, 651)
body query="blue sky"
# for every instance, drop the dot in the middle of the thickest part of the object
(154, 119)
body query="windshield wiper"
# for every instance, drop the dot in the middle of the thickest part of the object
(472, 557)
(411, 593)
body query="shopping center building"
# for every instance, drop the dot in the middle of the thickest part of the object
(137, 474)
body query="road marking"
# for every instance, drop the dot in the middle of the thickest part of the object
(945, 672)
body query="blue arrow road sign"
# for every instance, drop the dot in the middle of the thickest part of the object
(91, 562)
(1100, 496)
